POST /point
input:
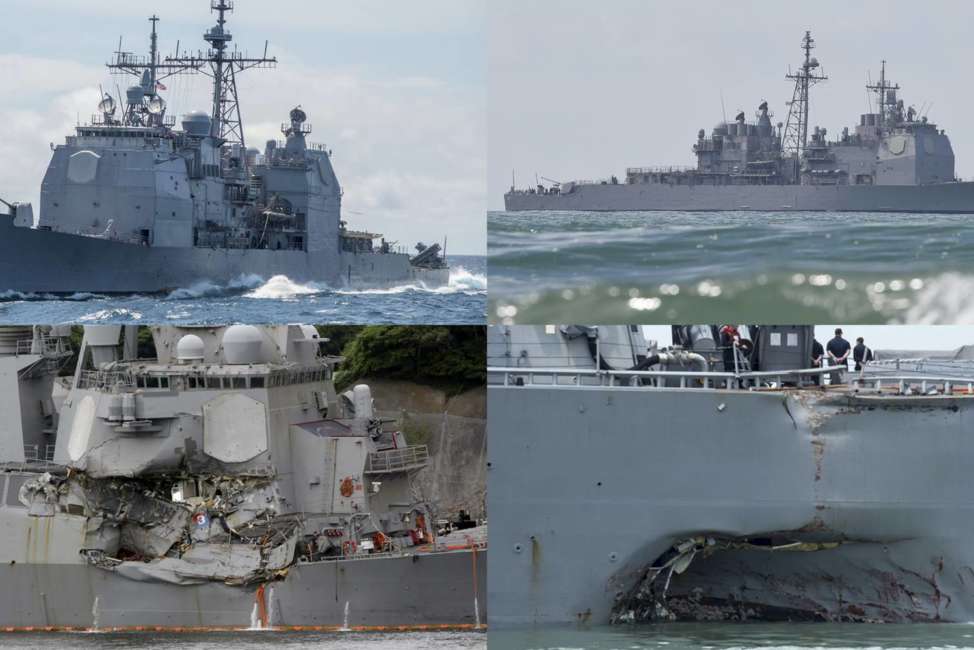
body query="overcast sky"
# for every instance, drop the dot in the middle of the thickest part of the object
(877, 337)
(582, 89)
(395, 89)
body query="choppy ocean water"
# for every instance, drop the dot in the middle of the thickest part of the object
(663, 267)
(738, 636)
(249, 640)
(268, 300)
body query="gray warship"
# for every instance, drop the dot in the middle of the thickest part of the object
(130, 203)
(222, 485)
(894, 160)
(630, 482)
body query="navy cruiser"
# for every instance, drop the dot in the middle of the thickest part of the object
(223, 483)
(631, 481)
(894, 160)
(130, 203)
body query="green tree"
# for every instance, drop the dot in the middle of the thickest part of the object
(447, 357)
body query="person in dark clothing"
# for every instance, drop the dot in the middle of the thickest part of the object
(861, 354)
(838, 353)
(818, 356)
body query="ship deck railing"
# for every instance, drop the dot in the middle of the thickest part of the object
(44, 345)
(39, 453)
(901, 384)
(404, 459)
(105, 379)
(675, 169)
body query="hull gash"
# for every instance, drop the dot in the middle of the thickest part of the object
(671, 486)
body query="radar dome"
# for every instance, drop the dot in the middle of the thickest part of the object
(157, 105)
(107, 104)
(197, 123)
(298, 115)
(310, 332)
(241, 344)
(189, 348)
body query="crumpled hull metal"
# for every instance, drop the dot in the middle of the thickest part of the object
(434, 589)
(38, 261)
(590, 486)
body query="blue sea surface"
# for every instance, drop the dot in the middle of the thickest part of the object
(269, 300)
(666, 267)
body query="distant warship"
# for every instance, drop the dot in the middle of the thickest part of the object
(131, 204)
(634, 482)
(894, 161)
(223, 484)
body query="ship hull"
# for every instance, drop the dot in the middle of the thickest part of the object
(589, 487)
(942, 198)
(40, 261)
(411, 591)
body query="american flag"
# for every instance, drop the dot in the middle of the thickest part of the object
(160, 86)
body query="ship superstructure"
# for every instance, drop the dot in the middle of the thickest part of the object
(632, 481)
(895, 159)
(223, 483)
(179, 205)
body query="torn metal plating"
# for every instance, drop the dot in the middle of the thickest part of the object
(228, 458)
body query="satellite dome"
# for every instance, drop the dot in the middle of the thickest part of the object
(298, 115)
(189, 348)
(241, 344)
(310, 332)
(196, 123)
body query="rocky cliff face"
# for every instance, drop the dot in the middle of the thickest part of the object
(454, 427)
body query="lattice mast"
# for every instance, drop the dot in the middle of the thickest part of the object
(224, 65)
(795, 137)
(887, 97)
(151, 71)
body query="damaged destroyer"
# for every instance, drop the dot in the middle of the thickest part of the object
(130, 203)
(223, 484)
(894, 160)
(629, 482)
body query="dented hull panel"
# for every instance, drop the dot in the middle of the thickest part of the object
(436, 589)
(589, 486)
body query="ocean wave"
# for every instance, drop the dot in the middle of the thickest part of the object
(461, 281)
(945, 299)
(81, 296)
(464, 280)
(209, 289)
(281, 287)
(113, 315)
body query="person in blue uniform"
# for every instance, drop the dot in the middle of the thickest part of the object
(838, 350)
